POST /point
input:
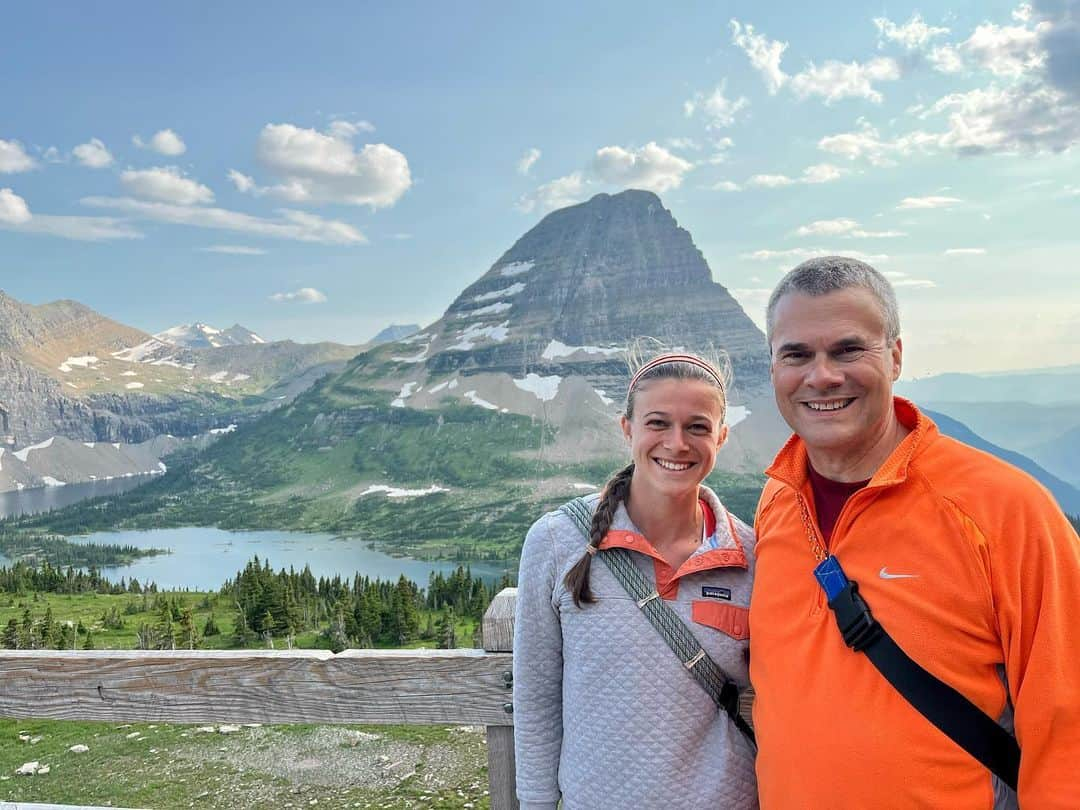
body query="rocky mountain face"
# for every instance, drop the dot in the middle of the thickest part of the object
(544, 331)
(395, 331)
(577, 288)
(68, 372)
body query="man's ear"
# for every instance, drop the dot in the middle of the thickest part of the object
(897, 358)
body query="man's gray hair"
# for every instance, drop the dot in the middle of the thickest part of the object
(828, 274)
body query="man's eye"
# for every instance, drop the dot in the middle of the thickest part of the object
(793, 357)
(850, 352)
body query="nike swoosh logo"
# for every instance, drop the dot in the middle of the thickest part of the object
(884, 574)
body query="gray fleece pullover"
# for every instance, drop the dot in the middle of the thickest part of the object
(605, 715)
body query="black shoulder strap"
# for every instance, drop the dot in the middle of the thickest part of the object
(960, 719)
(666, 622)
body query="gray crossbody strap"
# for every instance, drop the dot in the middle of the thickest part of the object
(665, 620)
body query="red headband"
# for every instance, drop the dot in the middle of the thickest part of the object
(675, 358)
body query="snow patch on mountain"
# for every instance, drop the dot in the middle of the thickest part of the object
(395, 492)
(494, 295)
(556, 349)
(131, 386)
(53, 482)
(223, 431)
(473, 333)
(476, 400)
(490, 309)
(444, 384)
(545, 388)
(735, 414)
(604, 397)
(22, 454)
(516, 268)
(84, 361)
(407, 390)
(140, 353)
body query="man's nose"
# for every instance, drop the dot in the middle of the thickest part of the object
(824, 372)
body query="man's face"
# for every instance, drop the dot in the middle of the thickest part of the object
(832, 371)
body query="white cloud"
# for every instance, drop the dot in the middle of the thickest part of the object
(946, 59)
(13, 158)
(165, 184)
(725, 185)
(93, 154)
(559, 193)
(965, 252)
(164, 142)
(244, 183)
(234, 250)
(719, 110)
(812, 175)
(651, 167)
(294, 225)
(822, 173)
(13, 208)
(305, 295)
(838, 80)
(685, 143)
(347, 129)
(15, 215)
(1027, 117)
(321, 167)
(765, 54)
(898, 279)
(909, 203)
(82, 229)
(770, 180)
(802, 254)
(832, 80)
(52, 155)
(843, 227)
(527, 160)
(912, 35)
(867, 143)
(1006, 50)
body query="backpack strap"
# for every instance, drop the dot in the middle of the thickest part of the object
(957, 717)
(665, 621)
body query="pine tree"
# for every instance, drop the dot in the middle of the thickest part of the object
(189, 634)
(11, 635)
(211, 628)
(163, 630)
(445, 631)
(88, 642)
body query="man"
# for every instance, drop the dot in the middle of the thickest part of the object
(967, 563)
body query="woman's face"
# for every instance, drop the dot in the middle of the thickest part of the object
(674, 434)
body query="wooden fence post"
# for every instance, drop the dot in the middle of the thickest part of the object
(498, 635)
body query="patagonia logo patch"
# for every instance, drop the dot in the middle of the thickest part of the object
(713, 592)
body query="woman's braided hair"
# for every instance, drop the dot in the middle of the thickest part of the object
(643, 369)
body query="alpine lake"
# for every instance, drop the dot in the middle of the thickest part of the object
(202, 558)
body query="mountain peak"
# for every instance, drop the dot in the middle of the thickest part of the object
(583, 283)
(200, 335)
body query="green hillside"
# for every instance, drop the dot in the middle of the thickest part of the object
(306, 467)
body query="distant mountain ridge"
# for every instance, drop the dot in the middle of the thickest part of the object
(1068, 496)
(395, 331)
(202, 336)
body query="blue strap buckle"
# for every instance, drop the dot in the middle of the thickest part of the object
(857, 624)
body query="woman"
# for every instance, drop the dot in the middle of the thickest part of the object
(605, 714)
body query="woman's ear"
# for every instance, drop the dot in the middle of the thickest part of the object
(625, 424)
(722, 437)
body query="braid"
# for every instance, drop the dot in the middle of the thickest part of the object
(615, 492)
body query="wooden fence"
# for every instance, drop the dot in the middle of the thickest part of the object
(414, 687)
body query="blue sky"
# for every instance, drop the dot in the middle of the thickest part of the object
(320, 173)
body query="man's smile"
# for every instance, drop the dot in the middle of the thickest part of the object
(829, 404)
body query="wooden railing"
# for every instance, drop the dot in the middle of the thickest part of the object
(415, 687)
